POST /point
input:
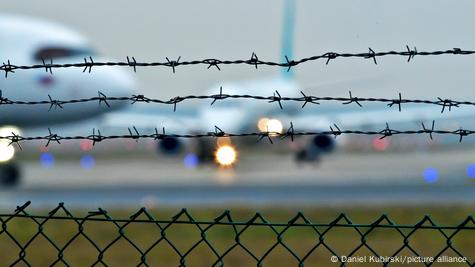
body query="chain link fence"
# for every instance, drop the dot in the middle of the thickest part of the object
(59, 238)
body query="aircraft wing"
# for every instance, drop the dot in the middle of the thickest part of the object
(183, 120)
(376, 116)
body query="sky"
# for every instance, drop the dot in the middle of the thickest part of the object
(153, 30)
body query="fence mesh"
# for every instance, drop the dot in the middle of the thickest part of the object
(59, 238)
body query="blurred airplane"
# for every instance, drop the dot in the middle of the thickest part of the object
(237, 115)
(28, 41)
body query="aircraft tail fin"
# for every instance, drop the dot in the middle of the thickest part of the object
(288, 36)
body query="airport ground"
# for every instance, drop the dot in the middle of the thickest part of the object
(360, 184)
(260, 178)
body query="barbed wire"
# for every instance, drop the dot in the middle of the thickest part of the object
(131, 62)
(140, 253)
(275, 98)
(134, 134)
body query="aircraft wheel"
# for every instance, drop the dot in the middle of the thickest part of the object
(9, 175)
(205, 150)
(303, 156)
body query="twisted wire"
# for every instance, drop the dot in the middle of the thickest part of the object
(88, 63)
(445, 104)
(134, 134)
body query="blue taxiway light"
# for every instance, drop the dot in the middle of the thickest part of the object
(87, 162)
(47, 160)
(431, 175)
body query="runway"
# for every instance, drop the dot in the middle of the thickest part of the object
(229, 196)
(339, 179)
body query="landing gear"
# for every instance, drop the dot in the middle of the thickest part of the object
(9, 175)
(205, 150)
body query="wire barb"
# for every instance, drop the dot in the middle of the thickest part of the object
(290, 63)
(352, 99)
(289, 132)
(52, 138)
(330, 56)
(135, 136)
(4, 100)
(447, 103)
(54, 103)
(218, 132)
(386, 132)
(218, 97)
(173, 63)
(308, 99)
(158, 136)
(132, 63)
(140, 98)
(276, 98)
(411, 53)
(396, 102)
(372, 54)
(48, 67)
(429, 131)
(336, 132)
(8, 68)
(103, 99)
(213, 63)
(96, 138)
(88, 65)
(254, 60)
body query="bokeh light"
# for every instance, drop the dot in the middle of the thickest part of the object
(275, 126)
(471, 171)
(226, 155)
(431, 175)
(262, 124)
(6, 151)
(191, 161)
(86, 145)
(87, 162)
(380, 144)
(47, 160)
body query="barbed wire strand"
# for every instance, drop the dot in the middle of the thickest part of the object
(446, 104)
(131, 62)
(133, 133)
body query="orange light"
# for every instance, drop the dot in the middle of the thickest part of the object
(380, 144)
(262, 124)
(225, 155)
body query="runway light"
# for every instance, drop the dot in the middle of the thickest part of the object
(8, 130)
(262, 124)
(6, 151)
(47, 160)
(380, 144)
(87, 162)
(226, 155)
(191, 161)
(86, 145)
(431, 175)
(471, 171)
(274, 126)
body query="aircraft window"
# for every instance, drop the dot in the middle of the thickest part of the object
(61, 52)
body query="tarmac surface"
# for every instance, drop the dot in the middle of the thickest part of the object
(340, 179)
